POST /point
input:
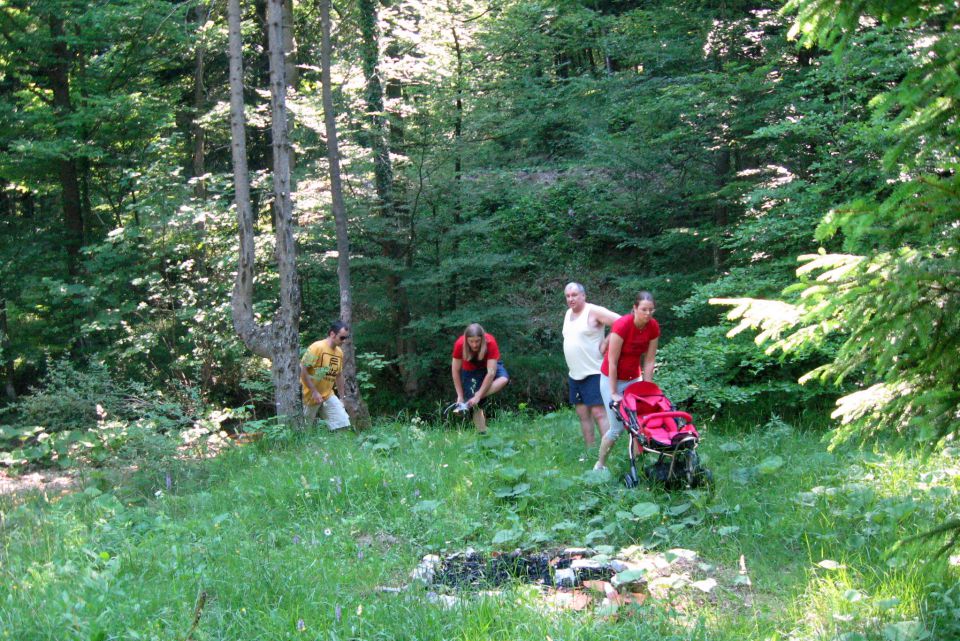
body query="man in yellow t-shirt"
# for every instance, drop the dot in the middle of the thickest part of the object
(321, 370)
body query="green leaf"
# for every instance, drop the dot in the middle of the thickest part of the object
(506, 536)
(770, 465)
(853, 596)
(511, 473)
(595, 535)
(905, 631)
(426, 506)
(628, 576)
(645, 511)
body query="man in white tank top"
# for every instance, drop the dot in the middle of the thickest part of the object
(583, 328)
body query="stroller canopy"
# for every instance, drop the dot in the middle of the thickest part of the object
(645, 398)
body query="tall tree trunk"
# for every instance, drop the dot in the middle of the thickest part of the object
(7, 357)
(279, 340)
(457, 153)
(7, 211)
(290, 46)
(59, 76)
(199, 105)
(360, 416)
(721, 215)
(291, 71)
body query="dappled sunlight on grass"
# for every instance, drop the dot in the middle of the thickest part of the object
(299, 535)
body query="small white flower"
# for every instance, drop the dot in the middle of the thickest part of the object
(410, 475)
(328, 532)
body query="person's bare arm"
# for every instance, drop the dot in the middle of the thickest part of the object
(487, 382)
(603, 316)
(308, 381)
(456, 365)
(613, 360)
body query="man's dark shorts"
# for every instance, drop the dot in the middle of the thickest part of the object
(473, 379)
(586, 391)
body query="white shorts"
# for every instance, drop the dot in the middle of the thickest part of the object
(331, 411)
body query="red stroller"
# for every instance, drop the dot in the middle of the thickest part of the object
(656, 427)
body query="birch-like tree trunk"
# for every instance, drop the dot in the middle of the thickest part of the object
(279, 339)
(355, 406)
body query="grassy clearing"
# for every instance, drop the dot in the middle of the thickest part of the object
(291, 539)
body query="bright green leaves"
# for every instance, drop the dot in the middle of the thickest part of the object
(644, 511)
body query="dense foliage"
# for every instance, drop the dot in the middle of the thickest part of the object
(492, 152)
(891, 289)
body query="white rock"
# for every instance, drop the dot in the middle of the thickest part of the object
(565, 578)
(427, 569)
(589, 564)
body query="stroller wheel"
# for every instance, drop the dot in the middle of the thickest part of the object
(658, 473)
(702, 478)
(630, 479)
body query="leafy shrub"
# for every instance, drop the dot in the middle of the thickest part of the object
(712, 371)
(85, 416)
(68, 398)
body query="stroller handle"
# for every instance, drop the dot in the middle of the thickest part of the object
(683, 415)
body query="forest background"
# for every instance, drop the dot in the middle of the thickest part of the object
(693, 149)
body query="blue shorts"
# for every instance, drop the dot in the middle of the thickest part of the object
(586, 391)
(473, 379)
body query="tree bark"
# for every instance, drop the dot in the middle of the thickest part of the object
(359, 415)
(199, 106)
(721, 215)
(8, 368)
(278, 340)
(290, 46)
(457, 156)
(59, 76)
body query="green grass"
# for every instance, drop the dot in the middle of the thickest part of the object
(290, 540)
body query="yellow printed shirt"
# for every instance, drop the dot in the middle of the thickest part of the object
(323, 364)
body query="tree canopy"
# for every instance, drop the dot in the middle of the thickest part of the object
(492, 152)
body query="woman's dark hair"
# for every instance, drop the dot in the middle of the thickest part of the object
(642, 296)
(473, 330)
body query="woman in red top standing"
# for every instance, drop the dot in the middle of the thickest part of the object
(630, 357)
(477, 371)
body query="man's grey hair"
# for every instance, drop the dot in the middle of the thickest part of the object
(580, 288)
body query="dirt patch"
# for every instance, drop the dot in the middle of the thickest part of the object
(39, 482)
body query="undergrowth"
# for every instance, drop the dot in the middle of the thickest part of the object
(296, 537)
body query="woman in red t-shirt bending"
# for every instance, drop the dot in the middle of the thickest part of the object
(477, 371)
(630, 355)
